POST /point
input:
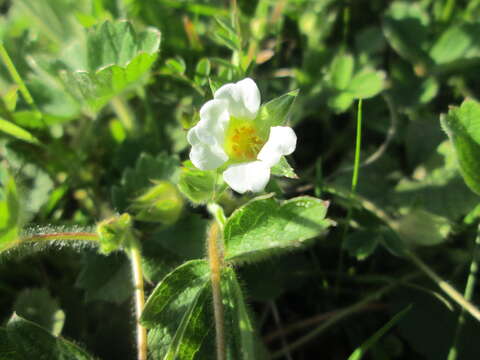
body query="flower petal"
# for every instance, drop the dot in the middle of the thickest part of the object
(243, 98)
(214, 118)
(281, 141)
(250, 176)
(207, 157)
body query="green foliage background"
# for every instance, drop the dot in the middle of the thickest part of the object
(112, 101)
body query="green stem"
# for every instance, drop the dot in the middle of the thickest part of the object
(215, 257)
(447, 10)
(468, 294)
(124, 113)
(340, 315)
(136, 259)
(60, 236)
(356, 168)
(446, 287)
(18, 80)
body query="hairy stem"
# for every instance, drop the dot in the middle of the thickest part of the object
(215, 257)
(60, 236)
(446, 287)
(136, 258)
(468, 294)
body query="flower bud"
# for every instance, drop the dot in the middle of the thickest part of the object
(160, 203)
(115, 232)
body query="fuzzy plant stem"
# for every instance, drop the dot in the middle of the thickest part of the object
(215, 257)
(136, 259)
(468, 294)
(60, 236)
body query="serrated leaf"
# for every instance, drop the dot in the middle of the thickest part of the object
(170, 310)
(197, 185)
(362, 349)
(240, 335)
(341, 71)
(264, 227)
(366, 84)
(276, 111)
(117, 57)
(25, 340)
(38, 306)
(283, 168)
(17, 132)
(147, 170)
(9, 210)
(462, 125)
(105, 278)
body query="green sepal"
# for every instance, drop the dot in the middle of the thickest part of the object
(275, 112)
(283, 168)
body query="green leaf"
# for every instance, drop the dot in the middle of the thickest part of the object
(366, 84)
(197, 185)
(16, 131)
(240, 335)
(105, 278)
(361, 244)
(456, 45)
(9, 210)
(24, 340)
(341, 71)
(276, 111)
(178, 312)
(360, 351)
(38, 306)
(405, 26)
(340, 102)
(176, 65)
(117, 57)
(136, 181)
(462, 125)
(283, 168)
(264, 227)
(419, 227)
(202, 72)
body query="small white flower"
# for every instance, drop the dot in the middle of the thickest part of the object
(228, 133)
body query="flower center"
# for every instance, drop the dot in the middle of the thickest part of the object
(242, 140)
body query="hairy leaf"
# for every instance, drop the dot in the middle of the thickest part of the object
(263, 226)
(24, 340)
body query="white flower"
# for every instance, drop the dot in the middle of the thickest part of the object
(229, 134)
